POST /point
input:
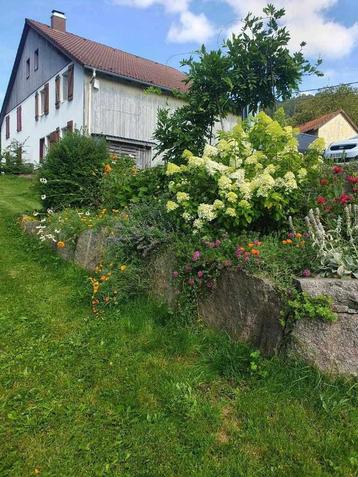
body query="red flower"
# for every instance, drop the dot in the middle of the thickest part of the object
(328, 208)
(321, 200)
(337, 169)
(344, 199)
(352, 179)
(324, 181)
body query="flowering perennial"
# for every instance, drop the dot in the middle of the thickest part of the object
(254, 171)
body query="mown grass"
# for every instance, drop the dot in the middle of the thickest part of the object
(137, 394)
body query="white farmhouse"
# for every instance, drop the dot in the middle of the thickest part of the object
(61, 81)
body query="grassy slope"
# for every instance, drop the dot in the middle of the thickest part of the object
(135, 395)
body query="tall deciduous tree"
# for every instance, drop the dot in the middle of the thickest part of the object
(254, 69)
(304, 108)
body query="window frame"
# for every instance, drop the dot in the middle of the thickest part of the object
(28, 68)
(36, 59)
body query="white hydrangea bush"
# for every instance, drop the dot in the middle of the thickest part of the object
(254, 173)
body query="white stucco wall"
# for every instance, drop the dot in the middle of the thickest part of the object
(32, 130)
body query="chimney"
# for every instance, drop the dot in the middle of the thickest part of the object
(58, 20)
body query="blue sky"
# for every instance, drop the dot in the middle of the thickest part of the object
(168, 30)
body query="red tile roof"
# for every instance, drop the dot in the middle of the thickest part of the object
(319, 122)
(110, 60)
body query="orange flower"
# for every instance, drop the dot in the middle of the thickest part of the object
(104, 278)
(107, 168)
(289, 241)
(95, 302)
(256, 252)
(298, 235)
(60, 244)
(251, 245)
(284, 242)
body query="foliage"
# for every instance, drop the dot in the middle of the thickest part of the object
(87, 396)
(307, 306)
(262, 67)
(337, 247)
(125, 184)
(255, 176)
(71, 172)
(254, 69)
(12, 162)
(335, 187)
(307, 107)
(134, 237)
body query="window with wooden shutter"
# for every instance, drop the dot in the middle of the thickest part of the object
(18, 119)
(70, 83)
(36, 106)
(42, 149)
(7, 126)
(70, 126)
(46, 99)
(57, 91)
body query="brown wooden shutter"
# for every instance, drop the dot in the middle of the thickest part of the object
(36, 106)
(47, 99)
(70, 83)
(57, 91)
(18, 119)
(70, 126)
(7, 122)
(42, 149)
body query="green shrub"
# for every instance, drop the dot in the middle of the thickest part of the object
(71, 172)
(11, 160)
(255, 177)
(125, 184)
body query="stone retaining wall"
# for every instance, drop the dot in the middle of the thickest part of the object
(248, 308)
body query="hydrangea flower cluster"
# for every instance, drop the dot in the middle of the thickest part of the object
(255, 170)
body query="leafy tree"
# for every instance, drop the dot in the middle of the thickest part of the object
(305, 108)
(254, 69)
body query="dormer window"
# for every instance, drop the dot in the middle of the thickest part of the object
(36, 60)
(28, 68)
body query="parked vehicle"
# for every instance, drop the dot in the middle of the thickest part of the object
(343, 151)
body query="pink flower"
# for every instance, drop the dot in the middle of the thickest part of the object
(337, 169)
(217, 243)
(227, 263)
(344, 199)
(306, 273)
(210, 244)
(291, 235)
(200, 274)
(352, 179)
(210, 284)
(175, 274)
(321, 200)
(191, 282)
(196, 256)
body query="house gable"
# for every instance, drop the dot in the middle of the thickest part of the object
(25, 79)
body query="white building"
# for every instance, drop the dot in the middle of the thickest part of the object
(61, 81)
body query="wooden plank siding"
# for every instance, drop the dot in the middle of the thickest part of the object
(126, 111)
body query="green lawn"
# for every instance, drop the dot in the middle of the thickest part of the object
(136, 394)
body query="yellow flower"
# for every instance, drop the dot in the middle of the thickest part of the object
(171, 205)
(231, 197)
(224, 183)
(231, 212)
(172, 169)
(123, 268)
(60, 244)
(182, 196)
(107, 168)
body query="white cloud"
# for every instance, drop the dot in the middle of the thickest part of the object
(190, 27)
(306, 21)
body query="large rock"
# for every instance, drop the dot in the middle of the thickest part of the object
(162, 283)
(331, 347)
(90, 249)
(248, 308)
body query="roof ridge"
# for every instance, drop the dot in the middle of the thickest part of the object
(106, 46)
